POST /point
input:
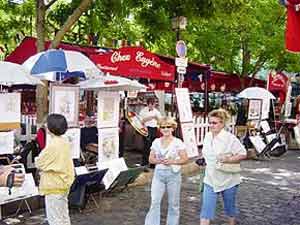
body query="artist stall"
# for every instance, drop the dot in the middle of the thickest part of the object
(260, 131)
(10, 124)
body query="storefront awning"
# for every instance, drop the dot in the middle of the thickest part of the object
(134, 62)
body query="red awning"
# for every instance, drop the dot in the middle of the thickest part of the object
(134, 62)
(28, 48)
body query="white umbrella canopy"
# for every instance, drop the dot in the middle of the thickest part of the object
(111, 83)
(15, 74)
(256, 93)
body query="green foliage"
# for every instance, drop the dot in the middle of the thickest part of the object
(236, 36)
(16, 21)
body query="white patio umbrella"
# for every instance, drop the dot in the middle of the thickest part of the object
(15, 74)
(58, 60)
(111, 83)
(256, 93)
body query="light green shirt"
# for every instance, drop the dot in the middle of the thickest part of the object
(224, 143)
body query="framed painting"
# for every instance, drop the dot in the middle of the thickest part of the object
(64, 99)
(254, 109)
(189, 138)
(184, 105)
(108, 109)
(73, 136)
(115, 167)
(10, 111)
(108, 144)
(6, 142)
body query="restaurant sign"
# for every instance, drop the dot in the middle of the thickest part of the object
(134, 62)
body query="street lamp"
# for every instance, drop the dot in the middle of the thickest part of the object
(179, 23)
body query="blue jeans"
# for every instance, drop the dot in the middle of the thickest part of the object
(209, 202)
(164, 179)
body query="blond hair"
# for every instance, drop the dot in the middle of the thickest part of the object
(167, 121)
(222, 114)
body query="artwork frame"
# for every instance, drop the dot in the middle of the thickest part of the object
(254, 109)
(184, 105)
(189, 138)
(108, 107)
(7, 142)
(10, 111)
(108, 144)
(64, 99)
(115, 167)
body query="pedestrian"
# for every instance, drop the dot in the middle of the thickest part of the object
(221, 149)
(168, 153)
(150, 116)
(57, 171)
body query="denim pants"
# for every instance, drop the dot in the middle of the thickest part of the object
(209, 202)
(57, 210)
(164, 179)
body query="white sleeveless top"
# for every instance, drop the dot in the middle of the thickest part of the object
(170, 152)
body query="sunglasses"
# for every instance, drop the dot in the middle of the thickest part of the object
(164, 127)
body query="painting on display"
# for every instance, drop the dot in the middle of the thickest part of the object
(115, 167)
(65, 100)
(254, 109)
(184, 105)
(10, 111)
(108, 109)
(108, 144)
(189, 138)
(73, 137)
(6, 143)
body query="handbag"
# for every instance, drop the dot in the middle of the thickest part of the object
(229, 167)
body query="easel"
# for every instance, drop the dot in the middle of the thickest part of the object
(125, 178)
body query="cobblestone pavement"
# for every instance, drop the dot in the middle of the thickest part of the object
(269, 195)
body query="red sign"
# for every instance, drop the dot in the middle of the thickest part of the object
(277, 81)
(134, 62)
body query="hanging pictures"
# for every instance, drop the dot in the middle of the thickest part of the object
(10, 111)
(73, 136)
(189, 138)
(184, 105)
(6, 143)
(254, 109)
(108, 109)
(108, 144)
(65, 100)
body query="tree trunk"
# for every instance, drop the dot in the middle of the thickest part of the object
(70, 22)
(41, 91)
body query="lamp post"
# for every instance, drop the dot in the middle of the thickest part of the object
(179, 23)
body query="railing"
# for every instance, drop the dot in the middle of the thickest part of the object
(202, 127)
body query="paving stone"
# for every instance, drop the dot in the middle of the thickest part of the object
(269, 195)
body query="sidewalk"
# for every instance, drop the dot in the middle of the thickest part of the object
(270, 194)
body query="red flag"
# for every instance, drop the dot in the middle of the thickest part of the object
(277, 81)
(292, 34)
